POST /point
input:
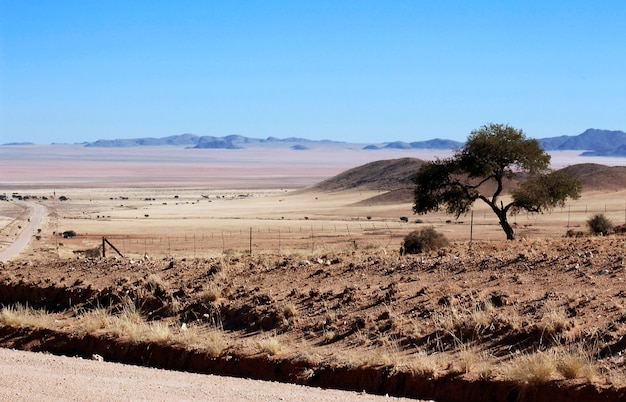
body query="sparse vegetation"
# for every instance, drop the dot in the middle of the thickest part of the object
(554, 322)
(270, 345)
(599, 224)
(212, 294)
(577, 363)
(422, 240)
(23, 316)
(532, 369)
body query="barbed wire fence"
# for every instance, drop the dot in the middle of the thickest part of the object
(312, 237)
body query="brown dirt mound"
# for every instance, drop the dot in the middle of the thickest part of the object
(383, 175)
(596, 177)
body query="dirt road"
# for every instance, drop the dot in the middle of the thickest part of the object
(37, 212)
(27, 376)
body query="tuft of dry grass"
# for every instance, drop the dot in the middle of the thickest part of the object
(212, 294)
(290, 310)
(23, 316)
(214, 342)
(465, 323)
(554, 322)
(156, 284)
(577, 363)
(270, 345)
(127, 324)
(423, 364)
(95, 320)
(532, 369)
(362, 338)
(469, 358)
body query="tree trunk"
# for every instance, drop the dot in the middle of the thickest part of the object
(510, 234)
(501, 214)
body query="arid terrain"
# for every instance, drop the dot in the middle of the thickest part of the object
(241, 270)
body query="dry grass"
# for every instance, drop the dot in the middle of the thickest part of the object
(271, 345)
(130, 325)
(554, 322)
(202, 337)
(465, 323)
(532, 369)
(469, 358)
(23, 316)
(577, 362)
(212, 294)
(290, 310)
(425, 364)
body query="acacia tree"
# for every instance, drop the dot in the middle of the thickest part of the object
(479, 170)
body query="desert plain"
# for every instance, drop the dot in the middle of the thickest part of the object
(230, 262)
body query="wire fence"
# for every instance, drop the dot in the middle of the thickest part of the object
(263, 239)
(310, 237)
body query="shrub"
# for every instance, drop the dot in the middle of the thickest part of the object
(600, 224)
(574, 233)
(69, 233)
(422, 240)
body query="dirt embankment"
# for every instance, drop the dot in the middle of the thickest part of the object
(449, 326)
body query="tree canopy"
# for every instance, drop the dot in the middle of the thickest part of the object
(478, 170)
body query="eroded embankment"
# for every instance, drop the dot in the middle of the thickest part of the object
(377, 380)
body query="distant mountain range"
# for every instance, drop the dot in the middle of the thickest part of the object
(592, 142)
(208, 142)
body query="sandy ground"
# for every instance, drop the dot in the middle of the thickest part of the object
(27, 376)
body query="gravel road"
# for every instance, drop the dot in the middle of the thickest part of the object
(28, 376)
(37, 212)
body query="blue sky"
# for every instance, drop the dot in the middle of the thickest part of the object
(357, 71)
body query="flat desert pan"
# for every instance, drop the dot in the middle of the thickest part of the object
(261, 167)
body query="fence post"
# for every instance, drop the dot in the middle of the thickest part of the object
(569, 211)
(471, 226)
(250, 240)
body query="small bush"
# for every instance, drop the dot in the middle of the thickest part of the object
(422, 240)
(69, 233)
(600, 224)
(574, 233)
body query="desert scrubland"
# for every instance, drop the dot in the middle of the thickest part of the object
(230, 265)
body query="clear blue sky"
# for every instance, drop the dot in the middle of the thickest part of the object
(358, 71)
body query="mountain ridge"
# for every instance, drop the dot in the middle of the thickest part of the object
(592, 142)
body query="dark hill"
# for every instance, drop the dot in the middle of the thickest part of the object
(384, 175)
(596, 177)
(393, 178)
